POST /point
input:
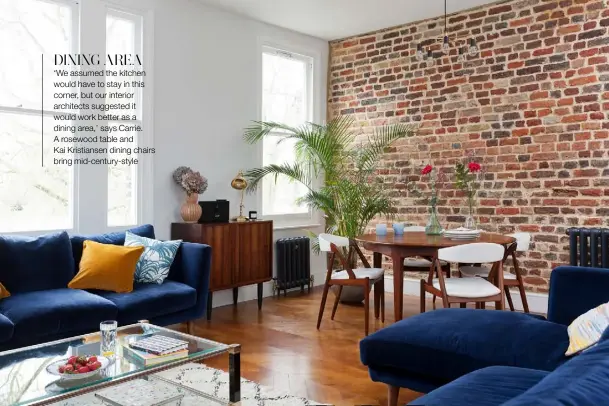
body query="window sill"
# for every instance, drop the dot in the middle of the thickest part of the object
(279, 227)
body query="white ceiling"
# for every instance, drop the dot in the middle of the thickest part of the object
(335, 19)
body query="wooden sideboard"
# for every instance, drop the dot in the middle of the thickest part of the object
(242, 254)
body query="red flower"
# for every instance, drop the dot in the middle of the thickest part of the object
(426, 170)
(474, 167)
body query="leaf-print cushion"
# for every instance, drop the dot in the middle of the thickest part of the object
(154, 264)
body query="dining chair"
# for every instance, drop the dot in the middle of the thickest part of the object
(365, 277)
(467, 290)
(522, 244)
(421, 264)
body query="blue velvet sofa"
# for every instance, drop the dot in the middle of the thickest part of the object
(42, 308)
(486, 357)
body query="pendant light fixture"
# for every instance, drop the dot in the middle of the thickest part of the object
(464, 47)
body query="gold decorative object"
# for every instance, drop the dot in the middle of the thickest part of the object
(239, 183)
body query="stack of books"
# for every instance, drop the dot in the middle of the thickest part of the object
(156, 349)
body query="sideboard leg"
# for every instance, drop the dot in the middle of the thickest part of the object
(260, 296)
(235, 296)
(210, 300)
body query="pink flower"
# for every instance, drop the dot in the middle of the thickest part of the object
(427, 170)
(474, 167)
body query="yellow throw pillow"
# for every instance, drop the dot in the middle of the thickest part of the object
(106, 267)
(4, 292)
(587, 329)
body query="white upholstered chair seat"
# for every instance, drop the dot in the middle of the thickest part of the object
(360, 273)
(420, 263)
(483, 272)
(468, 287)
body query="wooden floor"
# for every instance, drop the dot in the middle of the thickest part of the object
(282, 349)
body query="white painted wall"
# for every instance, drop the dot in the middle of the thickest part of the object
(206, 91)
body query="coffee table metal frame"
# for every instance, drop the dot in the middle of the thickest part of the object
(234, 360)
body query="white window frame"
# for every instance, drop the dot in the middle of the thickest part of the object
(143, 195)
(90, 182)
(313, 59)
(73, 193)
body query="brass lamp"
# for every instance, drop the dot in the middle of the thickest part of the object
(239, 183)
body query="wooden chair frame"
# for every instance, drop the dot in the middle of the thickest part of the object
(379, 285)
(495, 277)
(518, 282)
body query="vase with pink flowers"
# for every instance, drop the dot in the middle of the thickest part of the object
(193, 183)
(468, 178)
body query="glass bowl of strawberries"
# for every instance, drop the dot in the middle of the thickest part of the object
(78, 367)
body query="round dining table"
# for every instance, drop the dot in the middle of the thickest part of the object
(415, 244)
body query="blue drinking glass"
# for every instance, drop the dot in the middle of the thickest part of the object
(381, 229)
(398, 228)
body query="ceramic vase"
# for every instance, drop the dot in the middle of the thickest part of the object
(190, 210)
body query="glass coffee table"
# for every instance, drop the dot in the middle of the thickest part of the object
(24, 379)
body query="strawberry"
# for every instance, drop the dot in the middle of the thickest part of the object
(72, 360)
(62, 369)
(83, 370)
(68, 368)
(82, 360)
(92, 358)
(94, 365)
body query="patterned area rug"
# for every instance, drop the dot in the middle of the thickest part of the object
(210, 381)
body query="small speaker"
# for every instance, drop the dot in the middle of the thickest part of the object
(214, 211)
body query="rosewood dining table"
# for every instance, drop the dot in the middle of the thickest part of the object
(415, 244)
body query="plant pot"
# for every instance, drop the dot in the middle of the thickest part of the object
(190, 210)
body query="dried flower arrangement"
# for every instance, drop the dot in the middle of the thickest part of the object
(192, 182)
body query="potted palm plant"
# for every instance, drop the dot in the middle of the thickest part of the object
(351, 194)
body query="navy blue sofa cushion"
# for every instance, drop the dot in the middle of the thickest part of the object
(117, 238)
(51, 311)
(490, 386)
(6, 328)
(150, 300)
(448, 343)
(581, 381)
(32, 264)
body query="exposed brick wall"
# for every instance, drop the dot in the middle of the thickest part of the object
(533, 105)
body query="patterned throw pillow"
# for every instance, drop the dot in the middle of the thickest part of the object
(154, 264)
(587, 329)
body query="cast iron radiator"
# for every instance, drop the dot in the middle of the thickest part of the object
(589, 247)
(293, 264)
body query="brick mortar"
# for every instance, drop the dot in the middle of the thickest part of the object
(533, 106)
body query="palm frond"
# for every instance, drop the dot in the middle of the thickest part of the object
(260, 129)
(351, 194)
(294, 172)
(379, 142)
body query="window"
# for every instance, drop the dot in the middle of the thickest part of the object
(287, 99)
(124, 36)
(32, 196)
(37, 193)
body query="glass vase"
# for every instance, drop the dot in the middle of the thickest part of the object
(470, 220)
(470, 223)
(433, 224)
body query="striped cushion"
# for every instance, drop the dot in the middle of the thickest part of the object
(587, 329)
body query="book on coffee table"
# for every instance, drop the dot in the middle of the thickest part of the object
(158, 344)
(152, 359)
